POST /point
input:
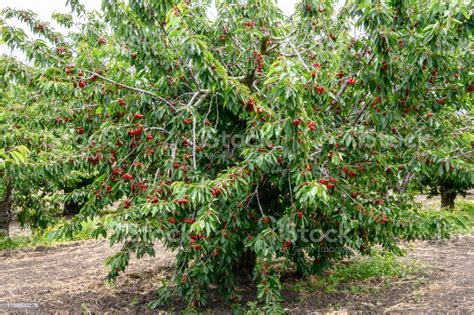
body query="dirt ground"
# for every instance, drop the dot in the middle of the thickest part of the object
(70, 280)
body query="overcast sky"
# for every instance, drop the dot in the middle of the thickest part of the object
(44, 9)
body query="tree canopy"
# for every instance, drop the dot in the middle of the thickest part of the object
(236, 140)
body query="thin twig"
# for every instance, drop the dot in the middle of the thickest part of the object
(258, 201)
(194, 141)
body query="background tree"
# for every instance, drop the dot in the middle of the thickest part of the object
(36, 187)
(447, 168)
(7, 157)
(226, 139)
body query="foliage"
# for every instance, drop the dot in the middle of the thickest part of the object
(16, 154)
(227, 139)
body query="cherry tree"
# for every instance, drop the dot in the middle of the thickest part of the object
(238, 141)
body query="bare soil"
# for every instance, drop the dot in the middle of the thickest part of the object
(69, 279)
(446, 285)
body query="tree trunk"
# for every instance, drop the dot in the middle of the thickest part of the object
(246, 265)
(5, 211)
(74, 207)
(447, 197)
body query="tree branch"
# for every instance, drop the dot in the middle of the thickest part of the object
(204, 94)
(131, 88)
(359, 115)
(404, 184)
(299, 56)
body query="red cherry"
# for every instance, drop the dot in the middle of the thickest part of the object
(351, 81)
(127, 176)
(320, 89)
(286, 245)
(300, 214)
(154, 200)
(216, 191)
(82, 84)
(251, 104)
(296, 122)
(150, 151)
(312, 125)
(149, 137)
(249, 24)
(187, 121)
(176, 165)
(189, 220)
(182, 201)
(122, 102)
(139, 116)
(172, 220)
(185, 142)
(127, 203)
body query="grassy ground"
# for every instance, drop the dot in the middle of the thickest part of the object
(44, 238)
(360, 273)
(367, 275)
(463, 209)
(466, 209)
